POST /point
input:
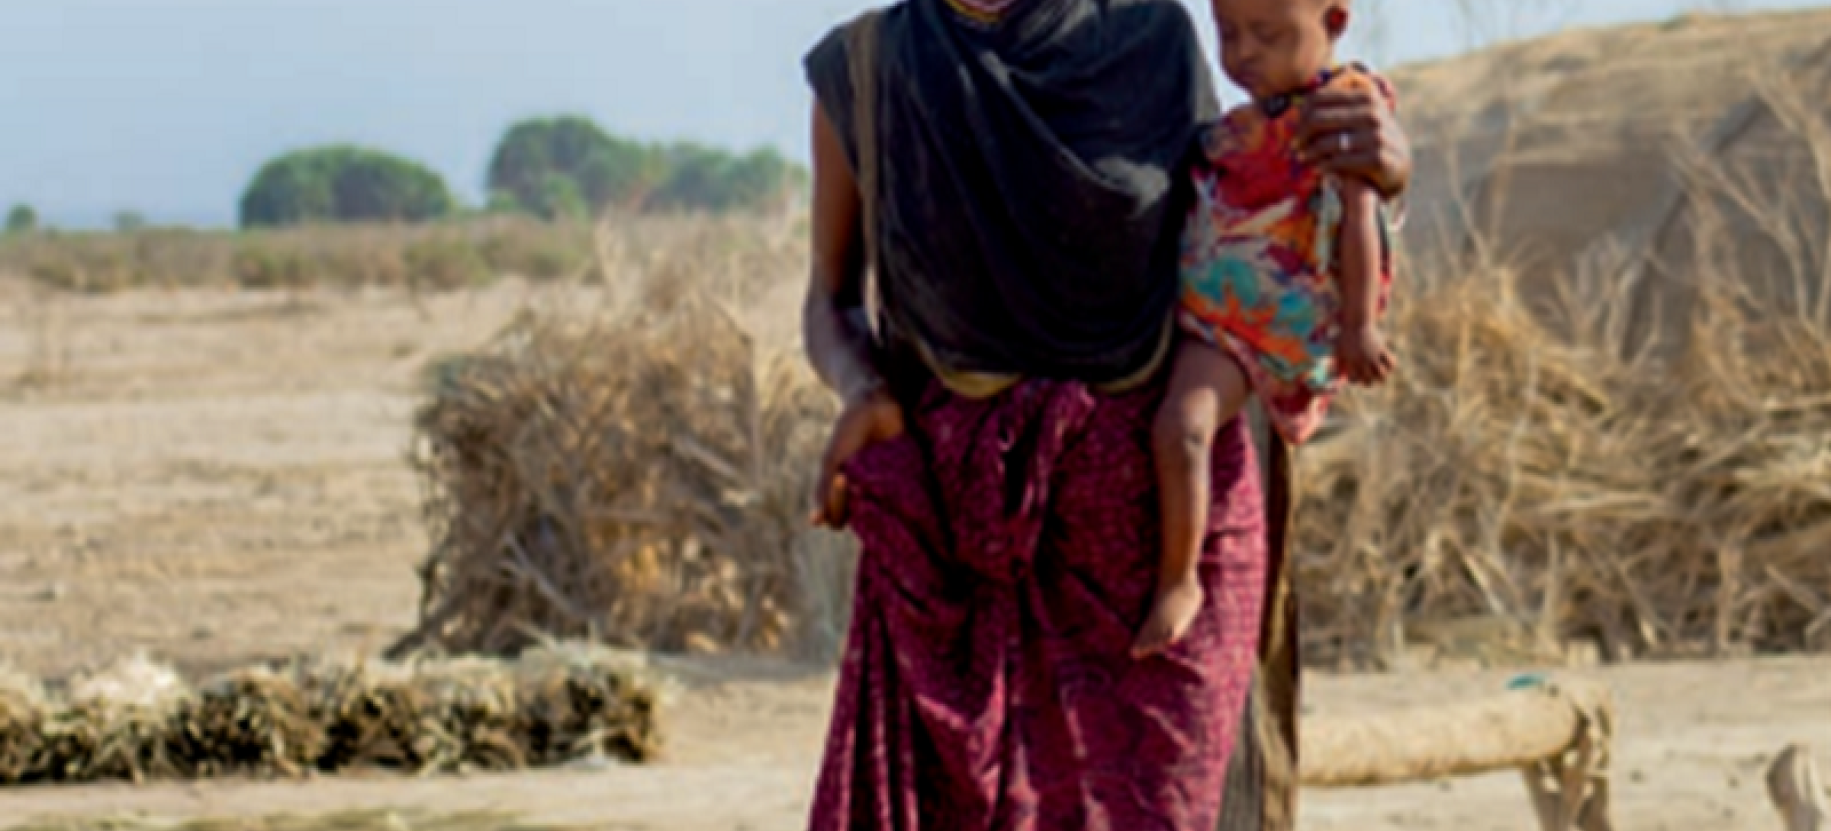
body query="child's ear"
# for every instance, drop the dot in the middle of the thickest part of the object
(1337, 20)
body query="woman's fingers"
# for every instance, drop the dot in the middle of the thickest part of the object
(889, 426)
(1152, 639)
(1324, 120)
(1348, 152)
(1331, 114)
(868, 421)
(829, 485)
(832, 502)
(839, 503)
(1352, 132)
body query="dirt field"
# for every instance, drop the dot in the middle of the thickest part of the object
(217, 478)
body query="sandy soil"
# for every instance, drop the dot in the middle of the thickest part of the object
(218, 478)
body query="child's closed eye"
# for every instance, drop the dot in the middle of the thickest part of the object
(1269, 35)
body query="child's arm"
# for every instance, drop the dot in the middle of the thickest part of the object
(1361, 350)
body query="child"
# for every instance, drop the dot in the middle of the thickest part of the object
(1284, 274)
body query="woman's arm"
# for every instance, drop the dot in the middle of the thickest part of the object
(833, 326)
(837, 336)
(1353, 133)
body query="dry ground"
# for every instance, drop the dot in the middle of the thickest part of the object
(217, 478)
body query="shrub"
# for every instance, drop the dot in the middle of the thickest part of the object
(706, 179)
(21, 219)
(343, 184)
(568, 167)
(446, 263)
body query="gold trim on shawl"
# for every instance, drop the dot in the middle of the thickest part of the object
(983, 17)
(982, 385)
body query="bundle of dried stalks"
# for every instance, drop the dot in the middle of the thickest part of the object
(483, 710)
(1534, 466)
(22, 707)
(638, 478)
(116, 724)
(138, 721)
(377, 715)
(576, 709)
(557, 704)
(255, 721)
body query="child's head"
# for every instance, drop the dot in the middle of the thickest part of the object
(1270, 47)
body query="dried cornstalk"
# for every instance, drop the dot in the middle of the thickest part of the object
(639, 478)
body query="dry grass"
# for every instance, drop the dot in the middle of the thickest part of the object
(638, 476)
(430, 257)
(138, 721)
(22, 706)
(115, 724)
(1637, 453)
(1555, 481)
(254, 721)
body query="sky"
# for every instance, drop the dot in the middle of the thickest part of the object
(167, 107)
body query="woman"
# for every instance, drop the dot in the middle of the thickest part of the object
(1012, 175)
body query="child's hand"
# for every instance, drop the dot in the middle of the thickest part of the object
(1171, 616)
(1363, 357)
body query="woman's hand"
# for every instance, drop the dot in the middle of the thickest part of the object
(1352, 132)
(866, 420)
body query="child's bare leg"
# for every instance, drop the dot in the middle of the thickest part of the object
(1207, 390)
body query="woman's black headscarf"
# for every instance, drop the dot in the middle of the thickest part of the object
(1030, 187)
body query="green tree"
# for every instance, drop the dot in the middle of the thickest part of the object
(568, 166)
(696, 179)
(706, 179)
(343, 184)
(21, 219)
(129, 222)
(759, 180)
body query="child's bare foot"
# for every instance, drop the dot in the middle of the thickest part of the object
(1171, 617)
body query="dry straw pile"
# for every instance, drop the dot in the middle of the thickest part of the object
(139, 721)
(250, 722)
(115, 724)
(22, 707)
(639, 475)
(1631, 442)
(1546, 474)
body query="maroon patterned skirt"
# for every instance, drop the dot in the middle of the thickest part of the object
(1010, 553)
